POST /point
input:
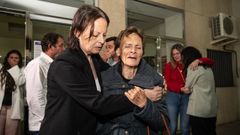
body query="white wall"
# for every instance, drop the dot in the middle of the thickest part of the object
(157, 30)
(174, 26)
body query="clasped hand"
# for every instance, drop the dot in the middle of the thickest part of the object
(137, 96)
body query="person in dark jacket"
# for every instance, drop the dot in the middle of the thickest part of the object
(132, 71)
(74, 99)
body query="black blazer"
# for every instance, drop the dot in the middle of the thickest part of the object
(73, 102)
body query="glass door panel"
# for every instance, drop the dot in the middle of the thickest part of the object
(150, 45)
(38, 30)
(12, 32)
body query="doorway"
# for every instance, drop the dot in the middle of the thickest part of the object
(162, 27)
(12, 33)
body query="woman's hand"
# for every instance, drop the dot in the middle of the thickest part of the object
(137, 96)
(185, 90)
(154, 94)
(194, 65)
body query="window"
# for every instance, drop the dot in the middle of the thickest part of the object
(222, 68)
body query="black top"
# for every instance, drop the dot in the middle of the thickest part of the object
(73, 102)
(7, 99)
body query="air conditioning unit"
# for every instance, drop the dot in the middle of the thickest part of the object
(224, 26)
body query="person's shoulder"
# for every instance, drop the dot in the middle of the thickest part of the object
(33, 62)
(69, 58)
(66, 56)
(168, 64)
(146, 68)
(110, 72)
(199, 70)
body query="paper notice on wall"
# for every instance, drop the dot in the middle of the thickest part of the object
(37, 48)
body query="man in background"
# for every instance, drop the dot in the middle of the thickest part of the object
(36, 79)
(109, 51)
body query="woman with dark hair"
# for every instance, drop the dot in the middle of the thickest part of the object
(11, 93)
(74, 98)
(176, 100)
(200, 84)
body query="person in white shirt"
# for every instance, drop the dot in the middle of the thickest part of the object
(36, 79)
(11, 93)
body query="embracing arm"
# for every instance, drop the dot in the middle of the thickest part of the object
(79, 85)
(190, 81)
(153, 111)
(205, 61)
(155, 93)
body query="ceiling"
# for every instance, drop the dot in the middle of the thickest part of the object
(139, 12)
(71, 3)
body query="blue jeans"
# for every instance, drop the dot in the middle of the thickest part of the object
(177, 104)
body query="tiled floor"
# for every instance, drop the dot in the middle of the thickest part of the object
(229, 129)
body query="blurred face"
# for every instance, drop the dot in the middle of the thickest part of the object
(176, 55)
(13, 59)
(131, 50)
(110, 47)
(93, 45)
(58, 48)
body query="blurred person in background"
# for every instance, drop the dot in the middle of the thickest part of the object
(176, 100)
(200, 84)
(108, 52)
(11, 93)
(36, 79)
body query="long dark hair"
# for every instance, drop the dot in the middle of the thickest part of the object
(5, 77)
(189, 54)
(86, 15)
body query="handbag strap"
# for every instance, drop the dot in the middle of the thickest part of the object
(180, 71)
(165, 126)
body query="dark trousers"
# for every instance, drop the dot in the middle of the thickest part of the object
(34, 132)
(26, 131)
(203, 126)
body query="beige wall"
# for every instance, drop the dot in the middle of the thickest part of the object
(236, 13)
(115, 9)
(227, 105)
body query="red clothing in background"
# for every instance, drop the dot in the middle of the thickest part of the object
(173, 77)
(207, 61)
